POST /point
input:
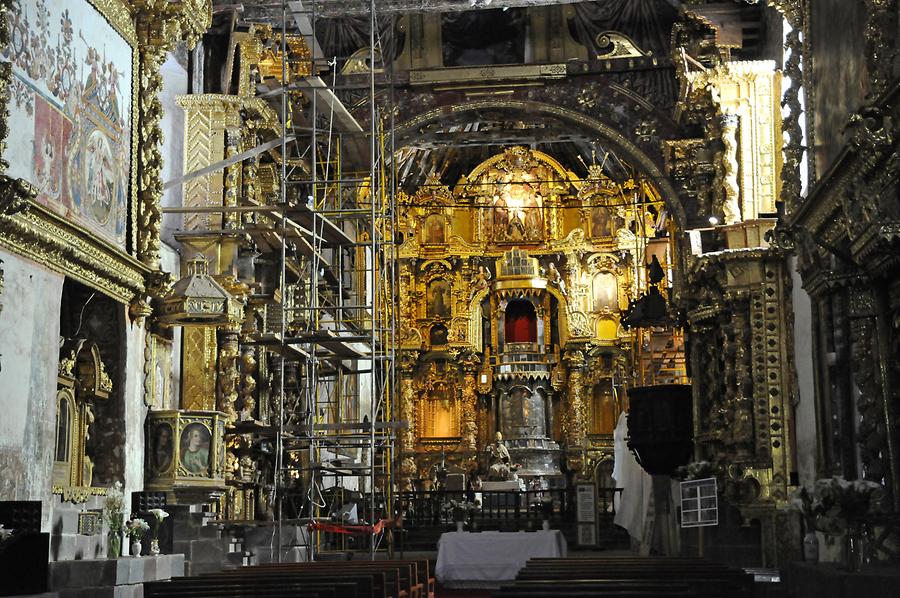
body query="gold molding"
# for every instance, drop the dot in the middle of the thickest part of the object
(118, 14)
(482, 73)
(50, 240)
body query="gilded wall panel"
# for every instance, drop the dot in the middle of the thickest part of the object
(199, 351)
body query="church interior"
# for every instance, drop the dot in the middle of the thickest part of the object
(432, 298)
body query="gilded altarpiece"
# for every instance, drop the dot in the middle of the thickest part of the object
(512, 286)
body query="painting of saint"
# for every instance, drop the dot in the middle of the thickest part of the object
(533, 215)
(195, 449)
(600, 222)
(163, 447)
(439, 299)
(605, 292)
(434, 229)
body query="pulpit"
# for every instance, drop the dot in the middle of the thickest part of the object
(660, 427)
(186, 454)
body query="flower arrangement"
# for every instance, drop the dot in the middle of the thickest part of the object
(115, 500)
(835, 505)
(5, 533)
(136, 529)
(544, 506)
(112, 511)
(460, 509)
(158, 516)
(696, 470)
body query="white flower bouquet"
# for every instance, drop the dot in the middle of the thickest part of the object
(158, 516)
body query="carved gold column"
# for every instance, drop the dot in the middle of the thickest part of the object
(248, 365)
(407, 413)
(228, 371)
(231, 183)
(249, 172)
(574, 424)
(469, 405)
(149, 156)
(159, 27)
(731, 206)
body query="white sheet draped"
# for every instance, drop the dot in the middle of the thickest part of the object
(636, 484)
(493, 556)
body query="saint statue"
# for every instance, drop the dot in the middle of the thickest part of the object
(500, 459)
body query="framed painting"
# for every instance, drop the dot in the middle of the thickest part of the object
(195, 444)
(72, 110)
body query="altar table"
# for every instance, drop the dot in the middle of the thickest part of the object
(464, 558)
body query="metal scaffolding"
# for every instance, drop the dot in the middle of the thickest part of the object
(338, 321)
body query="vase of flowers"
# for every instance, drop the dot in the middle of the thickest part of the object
(112, 511)
(5, 534)
(810, 508)
(840, 507)
(461, 511)
(135, 530)
(158, 516)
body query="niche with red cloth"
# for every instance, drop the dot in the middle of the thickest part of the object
(521, 322)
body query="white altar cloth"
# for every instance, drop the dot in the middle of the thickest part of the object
(465, 557)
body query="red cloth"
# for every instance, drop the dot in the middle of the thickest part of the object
(339, 528)
(521, 328)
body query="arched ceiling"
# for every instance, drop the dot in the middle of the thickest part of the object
(452, 140)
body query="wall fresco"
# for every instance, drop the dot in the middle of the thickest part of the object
(70, 112)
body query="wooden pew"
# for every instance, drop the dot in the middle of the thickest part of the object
(400, 578)
(617, 575)
(244, 588)
(280, 584)
(415, 576)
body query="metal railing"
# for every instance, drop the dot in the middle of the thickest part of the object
(500, 510)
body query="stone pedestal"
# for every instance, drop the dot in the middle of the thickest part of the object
(262, 542)
(123, 577)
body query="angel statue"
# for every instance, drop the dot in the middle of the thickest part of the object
(554, 276)
(481, 280)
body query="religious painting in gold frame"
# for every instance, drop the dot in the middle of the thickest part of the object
(604, 292)
(439, 412)
(73, 102)
(434, 229)
(438, 299)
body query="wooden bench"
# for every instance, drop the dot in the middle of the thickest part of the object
(621, 576)
(243, 588)
(401, 577)
(420, 573)
(350, 585)
(320, 579)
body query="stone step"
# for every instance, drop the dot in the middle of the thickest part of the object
(209, 531)
(202, 550)
(291, 535)
(73, 575)
(129, 591)
(238, 558)
(293, 554)
(192, 569)
(70, 547)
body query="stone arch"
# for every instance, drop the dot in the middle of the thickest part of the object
(407, 131)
